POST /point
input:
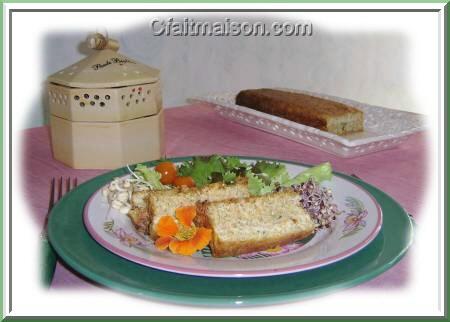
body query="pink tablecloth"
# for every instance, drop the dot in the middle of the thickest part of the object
(197, 130)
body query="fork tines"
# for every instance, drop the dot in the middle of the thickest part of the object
(57, 191)
(69, 184)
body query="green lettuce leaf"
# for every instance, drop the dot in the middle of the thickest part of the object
(256, 186)
(150, 176)
(201, 169)
(214, 168)
(229, 177)
(271, 172)
(320, 173)
(231, 163)
(263, 176)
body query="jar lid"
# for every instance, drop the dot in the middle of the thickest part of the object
(105, 68)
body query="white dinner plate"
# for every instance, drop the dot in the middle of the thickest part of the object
(357, 225)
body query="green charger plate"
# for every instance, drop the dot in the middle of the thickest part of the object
(75, 246)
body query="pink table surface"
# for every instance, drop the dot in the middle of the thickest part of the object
(198, 130)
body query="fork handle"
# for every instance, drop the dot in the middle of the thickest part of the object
(48, 262)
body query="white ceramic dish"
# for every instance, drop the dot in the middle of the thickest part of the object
(384, 128)
(358, 224)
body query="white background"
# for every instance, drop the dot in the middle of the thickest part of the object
(384, 59)
(401, 71)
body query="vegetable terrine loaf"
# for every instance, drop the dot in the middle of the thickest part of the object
(309, 110)
(246, 225)
(150, 206)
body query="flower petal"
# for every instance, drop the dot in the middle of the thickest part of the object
(163, 242)
(166, 226)
(185, 215)
(201, 238)
(184, 247)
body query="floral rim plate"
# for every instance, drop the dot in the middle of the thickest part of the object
(77, 249)
(357, 225)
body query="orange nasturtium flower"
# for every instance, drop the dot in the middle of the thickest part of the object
(181, 236)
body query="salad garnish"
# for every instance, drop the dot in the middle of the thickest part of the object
(263, 177)
(318, 201)
(149, 177)
(210, 169)
(178, 232)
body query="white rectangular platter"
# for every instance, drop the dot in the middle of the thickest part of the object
(383, 128)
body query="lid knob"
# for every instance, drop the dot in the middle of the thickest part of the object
(98, 41)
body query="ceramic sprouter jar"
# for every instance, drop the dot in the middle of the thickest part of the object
(105, 110)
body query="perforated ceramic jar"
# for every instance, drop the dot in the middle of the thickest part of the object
(104, 104)
(105, 111)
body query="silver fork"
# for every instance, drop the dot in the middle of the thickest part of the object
(47, 252)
